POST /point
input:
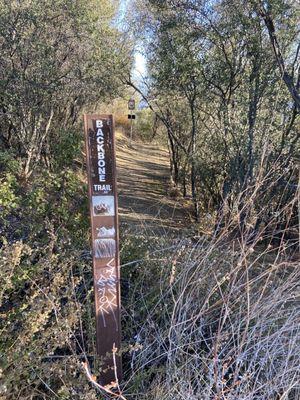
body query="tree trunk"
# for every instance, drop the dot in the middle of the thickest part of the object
(286, 77)
(173, 159)
(193, 164)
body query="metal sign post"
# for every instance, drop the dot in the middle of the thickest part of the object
(101, 169)
(131, 107)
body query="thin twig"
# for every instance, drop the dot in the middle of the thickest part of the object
(94, 382)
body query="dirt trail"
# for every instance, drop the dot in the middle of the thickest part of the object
(143, 172)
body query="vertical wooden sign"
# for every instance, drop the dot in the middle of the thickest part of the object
(101, 169)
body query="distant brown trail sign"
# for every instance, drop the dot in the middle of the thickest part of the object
(101, 169)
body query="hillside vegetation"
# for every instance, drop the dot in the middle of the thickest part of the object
(208, 197)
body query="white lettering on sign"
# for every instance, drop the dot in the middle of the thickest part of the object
(102, 188)
(107, 294)
(100, 151)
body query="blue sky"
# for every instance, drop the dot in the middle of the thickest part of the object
(140, 68)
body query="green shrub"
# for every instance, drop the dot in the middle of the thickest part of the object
(144, 124)
(9, 199)
(9, 163)
(66, 147)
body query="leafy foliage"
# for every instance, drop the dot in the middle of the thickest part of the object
(57, 58)
(216, 87)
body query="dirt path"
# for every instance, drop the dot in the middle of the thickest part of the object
(143, 172)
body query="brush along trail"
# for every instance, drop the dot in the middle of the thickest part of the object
(143, 186)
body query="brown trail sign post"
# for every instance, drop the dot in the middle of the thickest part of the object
(101, 169)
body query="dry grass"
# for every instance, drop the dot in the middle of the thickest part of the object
(214, 317)
(218, 318)
(225, 325)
